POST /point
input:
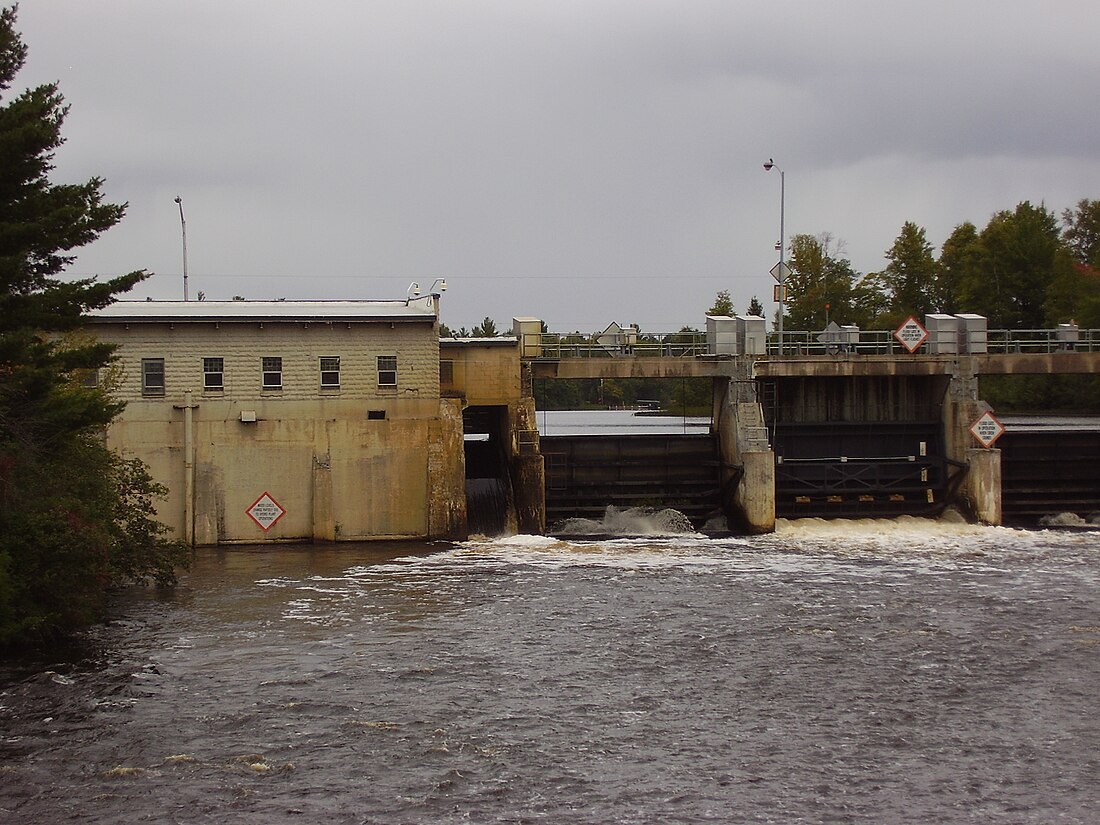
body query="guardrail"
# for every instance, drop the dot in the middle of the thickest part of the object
(550, 346)
(553, 347)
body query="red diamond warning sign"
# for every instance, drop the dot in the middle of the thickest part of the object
(265, 511)
(987, 429)
(911, 334)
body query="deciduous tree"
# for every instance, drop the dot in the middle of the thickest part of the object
(959, 268)
(820, 275)
(1016, 254)
(1082, 232)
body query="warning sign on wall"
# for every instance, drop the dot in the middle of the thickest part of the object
(911, 334)
(265, 511)
(987, 429)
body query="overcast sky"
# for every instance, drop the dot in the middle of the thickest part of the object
(580, 161)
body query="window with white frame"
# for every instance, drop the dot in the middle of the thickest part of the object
(213, 374)
(272, 372)
(152, 376)
(330, 372)
(387, 370)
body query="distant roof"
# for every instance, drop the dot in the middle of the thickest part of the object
(415, 309)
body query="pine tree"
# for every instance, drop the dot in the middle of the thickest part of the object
(74, 517)
(911, 274)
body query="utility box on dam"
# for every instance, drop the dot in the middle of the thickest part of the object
(736, 335)
(963, 334)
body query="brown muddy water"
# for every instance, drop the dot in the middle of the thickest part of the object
(857, 672)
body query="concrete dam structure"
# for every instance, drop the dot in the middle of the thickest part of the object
(851, 430)
(354, 421)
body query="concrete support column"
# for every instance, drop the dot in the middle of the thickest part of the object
(983, 485)
(528, 470)
(324, 520)
(743, 444)
(447, 474)
(754, 498)
(981, 489)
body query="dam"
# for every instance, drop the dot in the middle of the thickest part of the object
(863, 430)
(332, 421)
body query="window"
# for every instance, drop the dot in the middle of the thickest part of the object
(330, 372)
(446, 373)
(152, 376)
(273, 373)
(213, 374)
(387, 370)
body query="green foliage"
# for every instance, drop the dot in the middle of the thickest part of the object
(689, 396)
(959, 264)
(1082, 232)
(486, 329)
(871, 302)
(819, 277)
(1073, 294)
(74, 518)
(910, 278)
(723, 304)
(1016, 254)
(1041, 393)
(756, 308)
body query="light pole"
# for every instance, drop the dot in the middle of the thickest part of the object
(183, 229)
(782, 277)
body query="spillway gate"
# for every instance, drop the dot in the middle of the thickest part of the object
(585, 474)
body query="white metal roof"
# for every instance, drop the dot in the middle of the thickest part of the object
(415, 309)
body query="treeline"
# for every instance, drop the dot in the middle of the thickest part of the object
(679, 396)
(1026, 269)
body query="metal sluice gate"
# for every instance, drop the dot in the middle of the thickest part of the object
(860, 469)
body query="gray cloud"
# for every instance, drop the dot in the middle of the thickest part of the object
(580, 161)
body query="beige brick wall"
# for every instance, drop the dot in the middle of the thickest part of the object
(242, 345)
(483, 374)
(338, 469)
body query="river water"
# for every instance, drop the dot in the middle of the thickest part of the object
(853, 672)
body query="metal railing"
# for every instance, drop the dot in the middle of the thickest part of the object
(553, 346)
(550, 346)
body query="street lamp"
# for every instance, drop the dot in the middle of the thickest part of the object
(782, 277)
(183, 229)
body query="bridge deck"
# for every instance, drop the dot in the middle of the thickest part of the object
(843, 364)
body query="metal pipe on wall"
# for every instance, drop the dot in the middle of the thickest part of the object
(188, 469)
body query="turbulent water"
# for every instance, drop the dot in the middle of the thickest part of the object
(863, 672)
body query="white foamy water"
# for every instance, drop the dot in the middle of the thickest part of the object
(902, 671)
